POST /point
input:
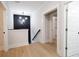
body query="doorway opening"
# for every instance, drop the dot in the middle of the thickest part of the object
(51, 28)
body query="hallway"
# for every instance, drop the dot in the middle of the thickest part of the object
(23, 20)
(33, 50)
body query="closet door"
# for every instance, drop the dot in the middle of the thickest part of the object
(73, 29)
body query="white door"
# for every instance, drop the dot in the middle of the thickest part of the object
(54, 27)
(73, 29)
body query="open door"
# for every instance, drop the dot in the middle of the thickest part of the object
(2, 27)
(73, 29)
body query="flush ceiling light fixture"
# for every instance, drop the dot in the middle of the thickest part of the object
(17, 1)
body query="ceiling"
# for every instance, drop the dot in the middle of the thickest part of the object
(28, 5)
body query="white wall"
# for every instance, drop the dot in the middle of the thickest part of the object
(61, 30)
(17, 38)
(35, 25)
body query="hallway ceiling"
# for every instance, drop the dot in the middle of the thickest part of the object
(28, 5)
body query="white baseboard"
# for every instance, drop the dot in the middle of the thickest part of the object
(17, 45)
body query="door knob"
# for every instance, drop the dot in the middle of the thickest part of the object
(4, 32)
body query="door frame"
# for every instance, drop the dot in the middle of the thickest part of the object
(66, 27)
(44, 17)
(52, 11)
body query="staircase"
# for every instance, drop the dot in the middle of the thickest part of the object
(36, 34)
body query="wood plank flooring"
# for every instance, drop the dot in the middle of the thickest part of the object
(32, 50)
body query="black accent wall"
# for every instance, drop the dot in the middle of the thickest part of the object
(22, 22)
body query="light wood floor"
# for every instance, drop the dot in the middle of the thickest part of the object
(32, 50)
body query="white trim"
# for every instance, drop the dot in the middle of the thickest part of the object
(43, 24)
(44, 13)
(17, 45)
(4, 5)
